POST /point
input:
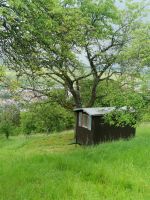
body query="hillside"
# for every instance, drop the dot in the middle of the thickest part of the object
(47, 168)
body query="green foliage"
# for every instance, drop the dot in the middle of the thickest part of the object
(48, 37)
(46, 117)
(121, 118)
(6, 128)
(27, 123)
(146, 116)
(118, 95)
(9, 119)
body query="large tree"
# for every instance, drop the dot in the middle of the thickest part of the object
(61, 44)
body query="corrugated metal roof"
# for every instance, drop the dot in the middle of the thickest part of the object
(99, 110)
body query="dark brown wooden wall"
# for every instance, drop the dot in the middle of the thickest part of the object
(104, 132)
(101, 132)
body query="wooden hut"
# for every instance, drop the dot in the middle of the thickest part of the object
(91, 128)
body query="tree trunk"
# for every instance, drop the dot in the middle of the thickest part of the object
(7, 135)
(93, 93)
(76, 96)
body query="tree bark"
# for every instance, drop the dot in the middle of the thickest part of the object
(93, 93)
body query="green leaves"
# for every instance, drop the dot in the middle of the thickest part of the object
(43, 40)
(45, 117)
(119, 95)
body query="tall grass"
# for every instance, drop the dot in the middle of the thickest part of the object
(47, 168)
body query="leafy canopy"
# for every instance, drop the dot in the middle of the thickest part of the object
(60, 45)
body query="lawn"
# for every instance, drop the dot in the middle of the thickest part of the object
(49, 168)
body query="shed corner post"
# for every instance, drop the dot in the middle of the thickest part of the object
(75, 128)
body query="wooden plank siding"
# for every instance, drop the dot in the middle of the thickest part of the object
(100, 131)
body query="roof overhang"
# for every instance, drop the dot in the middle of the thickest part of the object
(100, 111)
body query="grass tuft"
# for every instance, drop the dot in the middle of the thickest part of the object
(45, 167)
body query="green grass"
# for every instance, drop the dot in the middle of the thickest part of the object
(47, 168)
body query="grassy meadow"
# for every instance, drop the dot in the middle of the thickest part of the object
(44, 167)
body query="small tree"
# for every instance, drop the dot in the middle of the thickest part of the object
(27, 123)
(9, 119)
(6, 128)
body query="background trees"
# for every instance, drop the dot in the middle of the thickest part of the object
(45, 118)
(44, 39)
(71, 51)
(36, 118)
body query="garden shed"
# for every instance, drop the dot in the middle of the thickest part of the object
(92, 129)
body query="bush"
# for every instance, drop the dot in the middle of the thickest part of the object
(9, 119)
(46, 118)
(6, 128)
(27, 123)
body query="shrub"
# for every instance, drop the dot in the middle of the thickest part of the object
(9, 119)
(46, 118)
(6, 128)
(27, 123)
